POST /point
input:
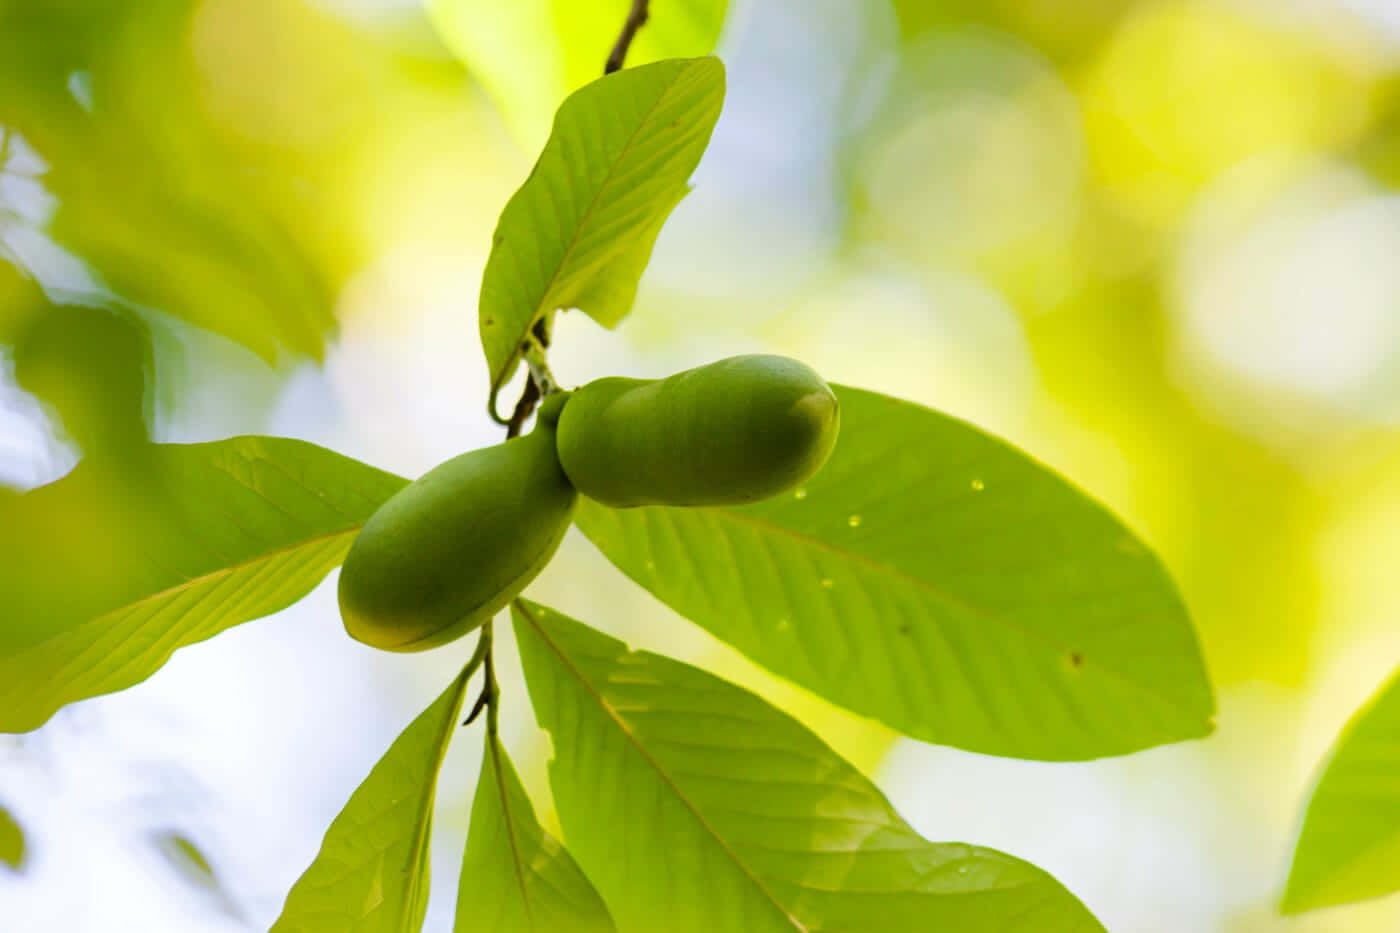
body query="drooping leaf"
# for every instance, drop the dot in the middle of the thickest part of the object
(517, 878)
(106, 572)
(581, 228)
(1349, 848)
(696, 806)
(371, 875)
(941, 581)
(12, 844)
(531, 53)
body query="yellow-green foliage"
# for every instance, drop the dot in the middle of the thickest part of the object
(447, 552)
(734, 431)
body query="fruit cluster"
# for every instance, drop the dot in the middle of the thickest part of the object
(447, 552)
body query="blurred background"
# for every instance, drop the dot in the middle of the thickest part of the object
(1154, 243)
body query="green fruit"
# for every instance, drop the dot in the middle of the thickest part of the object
(734, 431)
(445, 553)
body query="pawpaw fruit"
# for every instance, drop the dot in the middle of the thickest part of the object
(734, 431)
(445, 553)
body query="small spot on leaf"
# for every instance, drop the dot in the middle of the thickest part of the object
(800, 494)
(978, 485)
(1074, 660)
(853, 521)
(827, 583)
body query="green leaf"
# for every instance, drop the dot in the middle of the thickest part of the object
(695, 806)
(579, 232)
(1349, 848)
(942, 582)
(109, 570)
(91, 367)
(12, 847)
(529, 54)
(516, 878)
(371, 875)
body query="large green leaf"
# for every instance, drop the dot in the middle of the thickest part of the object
(371, 875)
(942, 582)
(529, 54)
(695, 806)
(109, 570)
(580, 230)
(516, 878)
(1349, 848)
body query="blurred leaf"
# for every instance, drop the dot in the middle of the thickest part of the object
(1349, 848)
(1065, 32)
(531, 53)
(695, 805)
(172, 206)
(12, 846)
(941, 581)
(92, 367)
(109, 570)
(372, 871)
(516, 878)
(185, 856)
(21, 299)
(579, 232)
(194, 867)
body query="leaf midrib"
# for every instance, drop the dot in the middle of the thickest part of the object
(950, 599)
(660, 771)
(172, 591)
(222, 572)
(423, 827)
(495, 752)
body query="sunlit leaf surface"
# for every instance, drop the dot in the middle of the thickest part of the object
(694, 805)
(580, 230)
(109, 570)
(1349, 848)
(941, 581)
(516, 878)
(371, 875)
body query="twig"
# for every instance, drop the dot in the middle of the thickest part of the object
(528, 398)
(636, 19)
(483, 649)
(489, 690)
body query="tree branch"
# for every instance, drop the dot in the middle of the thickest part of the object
(636, 19)
(528, 398)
